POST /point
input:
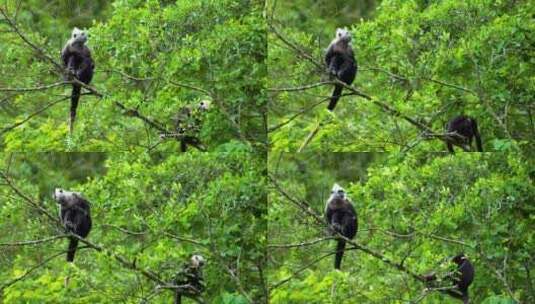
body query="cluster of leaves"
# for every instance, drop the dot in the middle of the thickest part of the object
(416, 210)
(154, 210)
(430, 60)
(154, 58)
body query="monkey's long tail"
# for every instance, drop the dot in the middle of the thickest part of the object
(339, 253)
(178, 299)
(336, 95)
(76, 89)
(73, 243)
(478, 137)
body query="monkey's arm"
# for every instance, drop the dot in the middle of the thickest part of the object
(328, 215)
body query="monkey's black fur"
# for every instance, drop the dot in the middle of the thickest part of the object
(462, 278)
(342, 217)
(190, 278)
(75, 216)
(77, 59)
(467, 128)
(341, 63)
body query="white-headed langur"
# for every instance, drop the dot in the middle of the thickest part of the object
(461, 278)
(74, 215)
(190, 278)
(341, 63)
(466, 129)
(77, 59)
(342, 218)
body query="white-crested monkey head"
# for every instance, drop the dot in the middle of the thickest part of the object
(66, 198)
(343, 34)
(337, 192)
(197, 261)
(78, 36)
(205, 105)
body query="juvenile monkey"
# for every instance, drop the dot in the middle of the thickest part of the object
(188, 123)
(466, 128)
(461, 278)
(190, 278)
(74, 215)
(342, 217)
(341, 63)
(77, 59)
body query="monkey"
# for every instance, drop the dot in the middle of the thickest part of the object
(190, 278)
(342, 217)
(77, 60)
(461, 278)
(188, 123)
(74, 215)
(466, 128)
(341, 63)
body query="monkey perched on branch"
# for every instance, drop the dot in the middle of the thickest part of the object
(341, 63)
(190, 278)
(74, 215)
(461, 278)
(76, 58)
(342, 217)
(466, 129)
(187, 124)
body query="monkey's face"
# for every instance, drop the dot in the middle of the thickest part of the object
(205, 105)
(65, 198)
(337, 193)
(343, 34)
(459, 259)
(197, 261)
(78, 35)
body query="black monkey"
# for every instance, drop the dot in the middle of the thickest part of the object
(74, 215)
(188, 123)
(77, 59)
(190, 278)
(461, 278)
(466, 128)
(341, 63)
(342, 217)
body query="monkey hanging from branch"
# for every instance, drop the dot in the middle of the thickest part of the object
(188, 124)
(341, 63)
(76, 58)
(189, 280)
(461, 277)
(342, 217)
(74, 214)
(465, 129)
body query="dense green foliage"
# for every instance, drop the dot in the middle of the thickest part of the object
(418, 211)
(153, 210)
(429, 60)
(152, 57)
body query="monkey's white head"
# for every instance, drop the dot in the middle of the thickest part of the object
(337, 192)
(65, 198)
(197, 260)
(343, 34)
(78, 36)
(205, 105)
